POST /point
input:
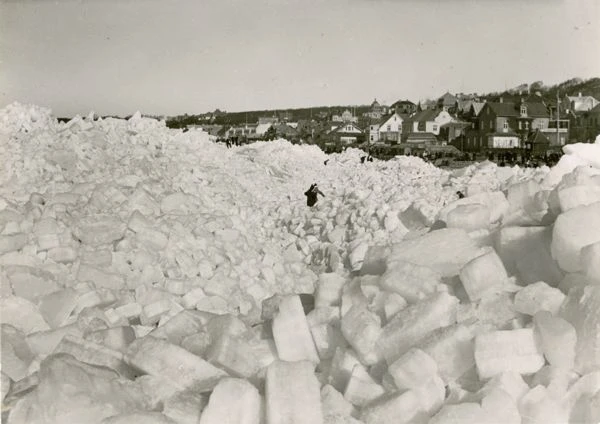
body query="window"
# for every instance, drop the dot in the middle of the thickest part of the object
(505, 125)
(523, 110)
(541, 125)
(520, 125)
(372, 138)
(482, 126)
(435, 127)
(491, 125)
(389, 127)
(526, 125)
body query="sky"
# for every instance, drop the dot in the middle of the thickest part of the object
(169, 57)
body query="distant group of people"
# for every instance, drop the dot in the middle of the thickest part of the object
(364, 159)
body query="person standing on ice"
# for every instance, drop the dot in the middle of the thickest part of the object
(311, 195)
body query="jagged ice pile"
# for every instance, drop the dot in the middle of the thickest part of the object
(154, 276)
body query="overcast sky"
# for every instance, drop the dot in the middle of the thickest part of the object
(177, 56)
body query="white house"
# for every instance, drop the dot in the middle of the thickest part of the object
(390, 128)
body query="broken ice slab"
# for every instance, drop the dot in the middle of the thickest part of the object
(94, 354)
(75, 392)
(412, 282)
(572, 231)
(116, 338)
(577, 195)
(590, 262)
(343, 362)
(374, 262)
(469, 217)
(521, 195)
(333, 402)
(96, 230)
(362, 329)
(139, 417)
(63, 255)
(362, 388)
(329, 289)
(396, 408)
(45, 342)
(10, 243)
(233, 401)
(582, 309)
(16, 354)
(291, 333)
(324, 323)
(453, 249)
(413, 369)
(5, 384)
(31, 283)
(292, 394)
(464, 413)
(483, 275)
(538, 297)
(540, 405)
(129, 311)
(185, 407)
(452, 350)
(152, 312)
(240, 356)
(180, 367)
(22, 314)
(58, 306)
(182, 325)
(412, 324)
(512, 350)
(100, 278)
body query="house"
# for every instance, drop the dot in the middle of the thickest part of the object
(537, 143)
(376, 111)
(426, 121)
(263, 127)
(247, 130)
(262, 120)
(447, 102)
(344, 134)
(453, 130)
(390, 129)
(585, 125)
(427, 105)
(286, 131)
(405, 107)
(581, 103)
(505, 125)
(347, 116)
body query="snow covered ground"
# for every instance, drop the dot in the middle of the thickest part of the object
(153, 276)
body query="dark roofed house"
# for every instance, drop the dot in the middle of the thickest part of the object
(447, 102)
(404, 107)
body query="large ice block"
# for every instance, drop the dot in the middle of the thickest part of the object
(538, 297)
(590, 262)
(446, 250)
(22, 314)
(362, 388)
(397, 408)
(362, 329)
(329, 289)
(177, 365)
(343, 362)
(291, 333)
(412, 324)
(483, 275)
(511, 350)
(412, 282)
(413, 369)
(558, 339)
(185, 407)
(452, 349)
(233, 401)
(573, 230)
(292, 394)
(469, 217)
(582, 310)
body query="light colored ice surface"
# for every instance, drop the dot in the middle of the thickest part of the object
(138, 265)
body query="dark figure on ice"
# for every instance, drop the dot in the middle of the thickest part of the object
(325, 163)
(311, 195)
(370, 159)
(460, 194)
(362, 159)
